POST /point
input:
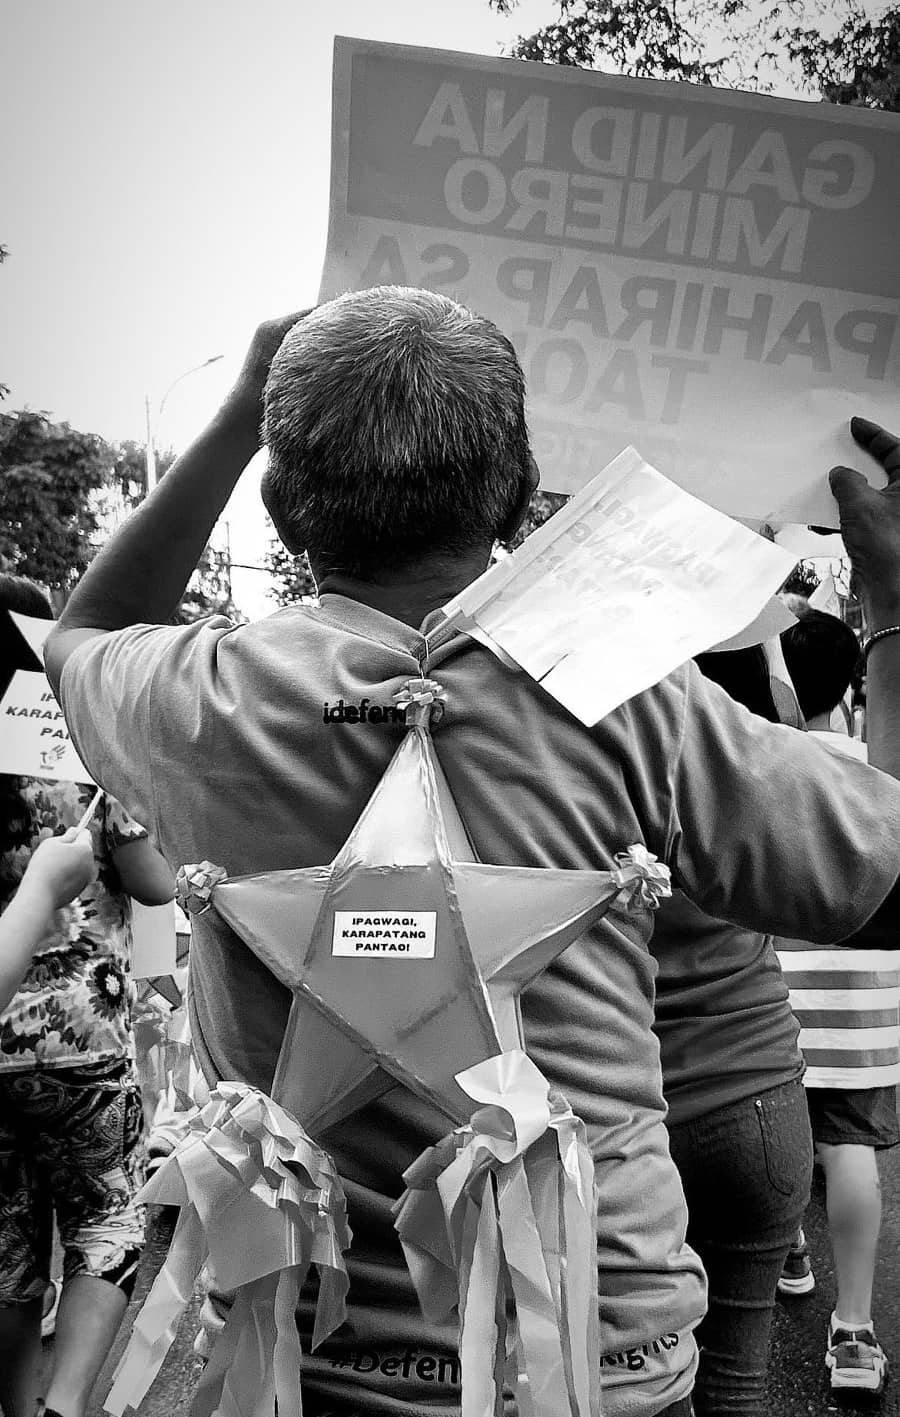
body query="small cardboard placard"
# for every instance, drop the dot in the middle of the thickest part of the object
(153, 944)
(384, 934)
(34, 739)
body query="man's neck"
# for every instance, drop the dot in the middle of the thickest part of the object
(422, 588)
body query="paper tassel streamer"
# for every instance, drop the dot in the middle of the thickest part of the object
(194, 886)
(646, 878)
(150, 1020)
(162, 1041)
(259, 1204)
(178, 1056)
(503, 1210)
(423, 700)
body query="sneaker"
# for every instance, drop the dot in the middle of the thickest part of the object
(855, 1360)
(797, 1276)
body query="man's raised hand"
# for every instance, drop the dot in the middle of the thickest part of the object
(246, 398)
(870, 524)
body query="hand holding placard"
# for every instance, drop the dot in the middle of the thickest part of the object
(870, 524)
(35, 741)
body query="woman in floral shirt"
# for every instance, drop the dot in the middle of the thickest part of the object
(74, 1004)
(70, 1110)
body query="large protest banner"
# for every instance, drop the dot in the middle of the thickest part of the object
(712, 275)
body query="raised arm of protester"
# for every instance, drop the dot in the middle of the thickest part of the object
(139, 577)
(870, 525)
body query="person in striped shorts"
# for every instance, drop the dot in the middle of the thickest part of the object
(847, 1003)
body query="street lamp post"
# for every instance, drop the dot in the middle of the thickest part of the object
(150, 451)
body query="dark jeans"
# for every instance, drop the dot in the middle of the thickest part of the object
(746, 1171)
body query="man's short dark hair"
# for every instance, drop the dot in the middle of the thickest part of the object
(395, 422)
(821, 653)
(744, 674)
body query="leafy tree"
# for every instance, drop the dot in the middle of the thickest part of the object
(859, 64)
(291, 574)
(729, 42)
(649, 40)
(540, 509)
(50, 513)
(209, 589)
(62, 493)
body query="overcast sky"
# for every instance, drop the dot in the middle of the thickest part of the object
(164, 179)
(164, 186)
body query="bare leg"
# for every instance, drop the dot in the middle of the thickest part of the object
(90, 1312)
(853, 1195)
(20, 1358)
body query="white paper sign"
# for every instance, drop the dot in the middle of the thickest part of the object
(627, 581)
(825, 597)
(772, 620)
(34, 739)
(384, 934)
(809, 545)
(32, 630)
(709, 273)
(152, 940)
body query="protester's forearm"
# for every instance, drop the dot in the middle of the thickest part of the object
(883, 697)
(22, 926)
(140, 576)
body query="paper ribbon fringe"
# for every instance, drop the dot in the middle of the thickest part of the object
(162, 1040)
(423, 701)
(420, 691)
(150, 1020)
(259, 1204)
(499, 1218)
(646, 879)
(194, 886)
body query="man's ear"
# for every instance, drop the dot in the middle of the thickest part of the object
(528, 485)
(293, 543)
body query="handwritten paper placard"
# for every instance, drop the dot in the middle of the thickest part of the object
(34, 739)
(628, 580)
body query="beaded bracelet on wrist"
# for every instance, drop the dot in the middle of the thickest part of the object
(878, 635)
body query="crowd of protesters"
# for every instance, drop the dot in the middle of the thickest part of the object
(398, 456)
